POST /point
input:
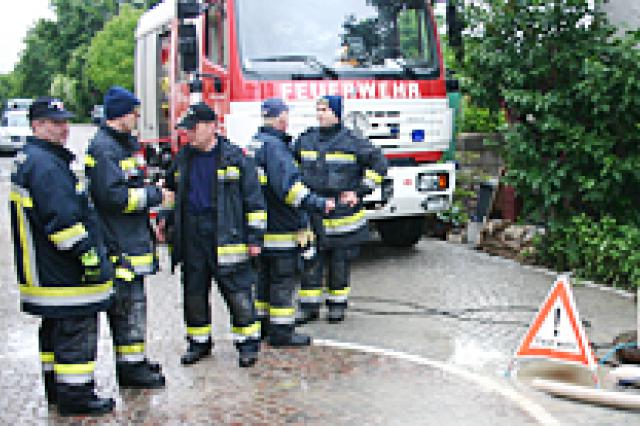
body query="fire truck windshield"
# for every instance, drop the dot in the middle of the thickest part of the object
(331, 38)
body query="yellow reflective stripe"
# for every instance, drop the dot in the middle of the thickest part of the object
(281, 312)
(89, 161)
(310, 293)
(375, 177)
(263, 179)
(69, 235)
(22, 231)
(133, 200)
(258, 215)
(261, 305)
(280, 237)
(65, 291)
(25, 201)
(86, 368)
(340, 156)
(248, 330)
(142, 260)
(46, 357)
(130, 349)
(343, 221)
(309, 155)
(124, 274)
(231, 172)
(343, 292)
(128, 163)
(296, 194)
(199, 331)
(232, 249)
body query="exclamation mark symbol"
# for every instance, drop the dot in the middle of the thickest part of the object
(556, 322)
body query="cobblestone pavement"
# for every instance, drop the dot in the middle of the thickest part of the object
(459, 313)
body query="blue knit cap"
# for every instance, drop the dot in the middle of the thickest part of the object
(335, 103)
(118, 101)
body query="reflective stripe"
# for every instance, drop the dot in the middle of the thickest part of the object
(199, 331)
(345, 224)
(280, 241)
(47, 360)
(309, 155)
(66, 296)
(68, 237)
(310, 296)
(372, 175)
(262, 176)
(74, 374)
(143, 264)
(137, 200)
(241, 334)
(130, 353)
(230, 173)
(21, 199)
(282, 315)
(340, 157)
(338, 295)
(257, 219)
(261, 308)
(296, 194)
(128, 164)
(233, 253)
(89, 161)
(124, 274)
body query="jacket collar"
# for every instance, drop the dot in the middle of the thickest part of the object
(57, 150)
(330, 132)
(283, 136)
(125, 139)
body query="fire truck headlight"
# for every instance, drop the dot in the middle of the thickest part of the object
(432, 182)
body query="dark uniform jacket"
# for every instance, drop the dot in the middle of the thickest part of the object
(239, 205)
(333, 160)
(53, 225)
(284, 191)
(122, 199)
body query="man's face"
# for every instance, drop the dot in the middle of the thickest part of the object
(325, 115)
(201, 136)
(130, 121)
(56, 131)
(282, 123)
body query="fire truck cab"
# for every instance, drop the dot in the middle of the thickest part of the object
(382, 56)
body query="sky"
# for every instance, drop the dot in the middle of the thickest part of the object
(16, 17)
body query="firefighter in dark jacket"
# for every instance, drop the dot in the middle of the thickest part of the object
(335, 163)
(287, 198)
(62, 268)
(122, 200)
(216, 227)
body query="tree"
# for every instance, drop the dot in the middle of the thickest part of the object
(111, 53)
(571, 91)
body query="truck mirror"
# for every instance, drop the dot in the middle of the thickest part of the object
(454, 24)
(188, 47)
(188, 9)
(453, 85)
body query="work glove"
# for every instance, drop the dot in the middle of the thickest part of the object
(306, 241)
(91, 264)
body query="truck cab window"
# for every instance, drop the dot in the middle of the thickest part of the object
(216, 34)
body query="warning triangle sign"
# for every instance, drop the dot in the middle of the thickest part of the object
(556, 332)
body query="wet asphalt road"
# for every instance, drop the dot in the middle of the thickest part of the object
(436, 326)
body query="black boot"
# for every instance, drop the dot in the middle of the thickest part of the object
(285, 336)
(307, 313)
(195, 352)
(139, 376)
(264, 328)
(80, 400)
(50, 387)
(247, 359)
(336, 313)
(153, 366)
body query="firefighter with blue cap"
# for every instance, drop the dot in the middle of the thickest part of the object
(288, 199)
(337, 164)
(215, 229)
(62, 267)
(122, 198)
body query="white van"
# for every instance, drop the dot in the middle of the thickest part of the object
(14, 128)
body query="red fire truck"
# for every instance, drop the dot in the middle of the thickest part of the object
(382, 56)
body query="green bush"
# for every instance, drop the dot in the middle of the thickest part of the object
(479, 120)
(599, 250)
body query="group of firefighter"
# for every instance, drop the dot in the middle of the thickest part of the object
(263, 221)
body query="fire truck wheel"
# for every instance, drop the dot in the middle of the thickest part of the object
(403, 232)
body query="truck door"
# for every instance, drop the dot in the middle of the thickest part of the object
(215, 65)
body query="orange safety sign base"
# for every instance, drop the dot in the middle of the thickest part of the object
(556, 332)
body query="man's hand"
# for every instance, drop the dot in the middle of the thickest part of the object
(168, 198)
(161, 231)
(329, 205)
(254, 250)
(349, 198)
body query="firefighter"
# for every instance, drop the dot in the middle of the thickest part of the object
(285, 195)
(122, 199)
(63, 272)
(335, 163)
(216, 226)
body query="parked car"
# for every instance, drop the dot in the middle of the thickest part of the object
(14, 130)
(97, 114)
